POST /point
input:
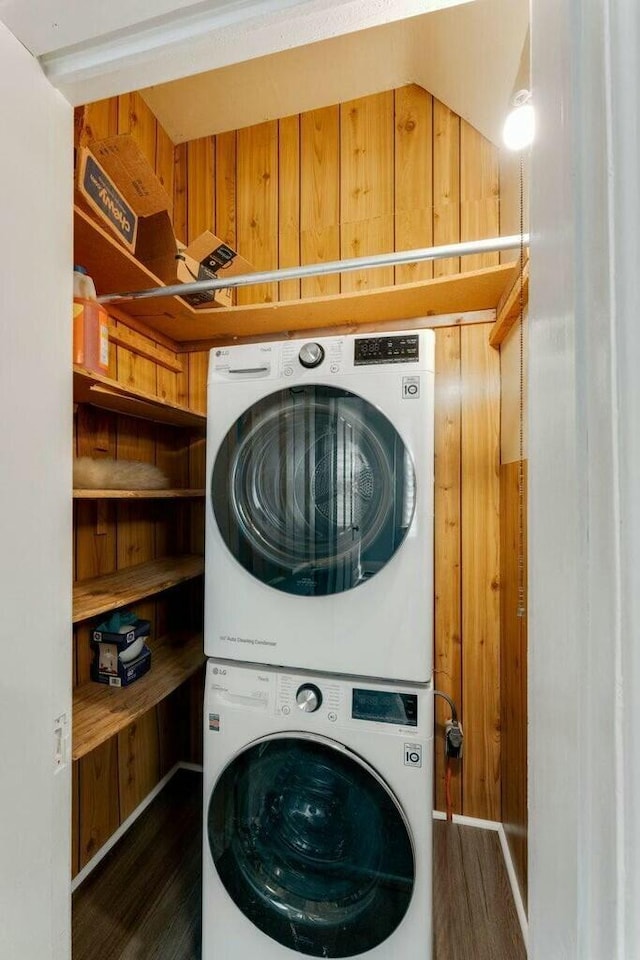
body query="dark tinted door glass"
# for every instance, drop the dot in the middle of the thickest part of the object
(313, 490)
(311, 847)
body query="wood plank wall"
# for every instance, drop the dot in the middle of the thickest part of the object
(467, 562)
(396, 170)
(393, 171)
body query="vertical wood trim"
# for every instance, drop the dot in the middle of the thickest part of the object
(367, 186)
(180, 192)
(226, 188)
(479, 194)
(447, 533)
(201, 214)
(320, 196)
(257, 206)
(513, 683)
(413, 178)
(480, 457)
(446, 184)
(75, 819)
(289, 202)
(198, 364)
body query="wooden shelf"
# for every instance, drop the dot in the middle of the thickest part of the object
(110, 395)
(137, 494)
(114, 590)
(114, 270)
(100, 711)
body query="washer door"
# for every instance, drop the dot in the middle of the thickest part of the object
(311, 846)
(313, 490)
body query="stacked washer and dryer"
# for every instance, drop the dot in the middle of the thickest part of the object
(318, 708)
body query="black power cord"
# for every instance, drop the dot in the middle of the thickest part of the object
(453, 735)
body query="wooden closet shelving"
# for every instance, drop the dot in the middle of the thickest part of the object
(113, 591)
(100, 711)
(107, 394)
(87, 494)
(115, 270)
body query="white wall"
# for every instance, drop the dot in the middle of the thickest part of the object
(584, 462)
(35, 510)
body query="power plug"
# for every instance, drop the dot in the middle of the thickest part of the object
(453, 738)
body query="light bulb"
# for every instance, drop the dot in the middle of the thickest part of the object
(519, 127)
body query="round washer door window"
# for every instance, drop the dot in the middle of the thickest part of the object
(313, 490)
(311, 846)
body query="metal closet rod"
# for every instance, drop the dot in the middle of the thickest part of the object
(468, 248)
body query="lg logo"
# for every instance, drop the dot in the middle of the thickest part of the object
(219, 670)
(411, 388)
(413, 754)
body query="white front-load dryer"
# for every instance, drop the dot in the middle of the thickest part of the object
(319, 518)
(317, 816)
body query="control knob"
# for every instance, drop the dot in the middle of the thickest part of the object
(309, 698)
(311, 355)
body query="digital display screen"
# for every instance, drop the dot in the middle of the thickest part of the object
(386, 350)
(384, 707)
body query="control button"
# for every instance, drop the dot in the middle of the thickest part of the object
(334, 368)
(412, 389)
(311, 355)
(332, 716)
(308, 698)
(286, 711)
(288, 371)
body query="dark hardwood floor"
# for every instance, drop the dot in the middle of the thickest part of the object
(142, 902)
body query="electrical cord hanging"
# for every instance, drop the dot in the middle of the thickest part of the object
(447, 789)
(452, 749)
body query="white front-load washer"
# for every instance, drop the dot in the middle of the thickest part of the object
(319, 518)
(317, 816)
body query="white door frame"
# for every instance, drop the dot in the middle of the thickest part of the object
(36, 162)
(584, 452)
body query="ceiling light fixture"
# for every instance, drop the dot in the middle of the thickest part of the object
(519, 127)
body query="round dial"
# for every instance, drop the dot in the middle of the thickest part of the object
(309, 697)
(311, 355)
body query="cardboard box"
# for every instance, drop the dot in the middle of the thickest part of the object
(208, 258)
(108, 668)
(139, 628)
(117, 184)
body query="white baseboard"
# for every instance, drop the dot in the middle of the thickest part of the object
(183, 765)
(498, 828)
(131, 819)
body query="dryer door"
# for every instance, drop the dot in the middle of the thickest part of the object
(311, 845)
(313, 490)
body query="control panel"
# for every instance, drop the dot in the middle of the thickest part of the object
(293, 697)
(384, 706)
(297, 360)
(371, 350)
